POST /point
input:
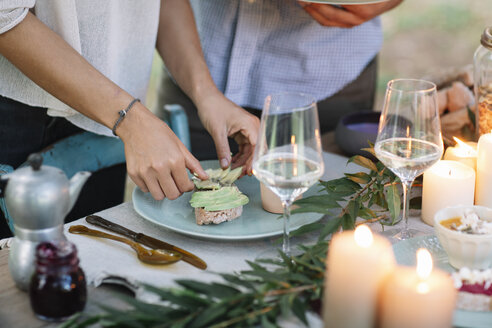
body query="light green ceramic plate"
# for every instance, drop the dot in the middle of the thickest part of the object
(179, 216)
(405, 255)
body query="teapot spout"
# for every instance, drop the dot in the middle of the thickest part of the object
(76, 184)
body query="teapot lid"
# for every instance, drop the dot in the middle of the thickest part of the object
(37, 191)
(35, 170)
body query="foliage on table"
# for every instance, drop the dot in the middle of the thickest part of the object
(270, 288)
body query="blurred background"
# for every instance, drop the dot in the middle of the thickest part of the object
(421, 38)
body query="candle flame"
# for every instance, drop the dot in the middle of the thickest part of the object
(294, 150)
(464, 148)
(424, 263)
(363, 236)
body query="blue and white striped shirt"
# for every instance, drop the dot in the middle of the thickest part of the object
(257, 47)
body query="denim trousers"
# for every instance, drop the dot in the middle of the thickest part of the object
(25, 129)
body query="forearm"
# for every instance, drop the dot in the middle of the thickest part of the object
(179, 46)
(56, 67)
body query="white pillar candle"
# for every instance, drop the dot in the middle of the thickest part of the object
(357, 265)
(418, 297)
(463, 152)
(446, 183)
(484, 171)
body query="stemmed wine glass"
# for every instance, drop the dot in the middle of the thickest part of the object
(288, 157)
(409, 136)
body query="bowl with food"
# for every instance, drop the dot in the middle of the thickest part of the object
(465, 233)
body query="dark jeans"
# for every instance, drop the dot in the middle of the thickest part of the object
(25, 129)
(356, 96)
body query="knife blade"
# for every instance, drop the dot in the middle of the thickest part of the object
(146, 240)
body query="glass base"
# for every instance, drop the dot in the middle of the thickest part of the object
(402, 234)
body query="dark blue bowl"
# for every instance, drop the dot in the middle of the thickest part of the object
(355, 131)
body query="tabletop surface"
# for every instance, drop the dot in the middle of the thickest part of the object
(15, 309)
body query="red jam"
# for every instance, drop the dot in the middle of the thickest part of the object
(58, 286)
(476, 289)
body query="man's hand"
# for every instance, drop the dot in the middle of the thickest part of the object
(156, 159)
(222, 119)
(348, 15)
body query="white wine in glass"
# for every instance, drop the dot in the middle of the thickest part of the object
(288, 158)
(409, 136)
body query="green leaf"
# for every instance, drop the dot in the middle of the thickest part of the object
(347, 222)
(265, 323)
(353, 207)
(315, 226)
(331, 226)
(370, 150)
(363, 161)
(211, 289)
(367, 213)
(394, 202)
(299, 309)
(360, 177)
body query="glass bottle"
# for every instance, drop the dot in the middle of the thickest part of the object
(58, 286)
(482, 62)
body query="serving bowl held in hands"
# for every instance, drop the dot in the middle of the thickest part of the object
(465, 249)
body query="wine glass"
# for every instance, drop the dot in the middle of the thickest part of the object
(288, 158)
(409, 136)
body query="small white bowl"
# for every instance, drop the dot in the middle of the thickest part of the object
(464, 250)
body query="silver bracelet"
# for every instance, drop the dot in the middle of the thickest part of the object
(123, 113)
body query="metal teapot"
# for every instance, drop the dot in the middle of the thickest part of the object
(38, 198)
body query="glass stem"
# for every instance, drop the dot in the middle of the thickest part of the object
(406, 202)
(286, 244)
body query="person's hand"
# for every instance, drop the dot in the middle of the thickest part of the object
(156, 159)
(348, 15)
(222, 119)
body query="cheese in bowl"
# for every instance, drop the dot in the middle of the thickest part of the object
(465, 233)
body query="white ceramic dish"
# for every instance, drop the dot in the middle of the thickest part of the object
(254, 223)
(464, 250)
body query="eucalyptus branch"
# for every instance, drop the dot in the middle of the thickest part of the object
(289, 291)
(379, 218)
(249, 315)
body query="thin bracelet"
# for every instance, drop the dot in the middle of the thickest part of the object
(122, 114)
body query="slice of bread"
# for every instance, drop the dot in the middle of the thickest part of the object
(207, 217)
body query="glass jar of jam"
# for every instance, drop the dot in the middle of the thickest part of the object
(58, 286)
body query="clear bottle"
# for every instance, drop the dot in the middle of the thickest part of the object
(58, 286)
(482, 62)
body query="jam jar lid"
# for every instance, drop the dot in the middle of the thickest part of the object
(486, 39)
(60, 252)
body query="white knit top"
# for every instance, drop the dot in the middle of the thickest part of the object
(116, 36)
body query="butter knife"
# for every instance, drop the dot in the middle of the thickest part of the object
(146, 240)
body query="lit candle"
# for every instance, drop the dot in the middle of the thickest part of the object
(464, 152)
(357, 265)
(446, 183)
(484, 172)
(418, 297)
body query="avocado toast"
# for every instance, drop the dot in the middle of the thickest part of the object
(217, 199)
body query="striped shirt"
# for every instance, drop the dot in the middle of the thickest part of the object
(257, 47)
